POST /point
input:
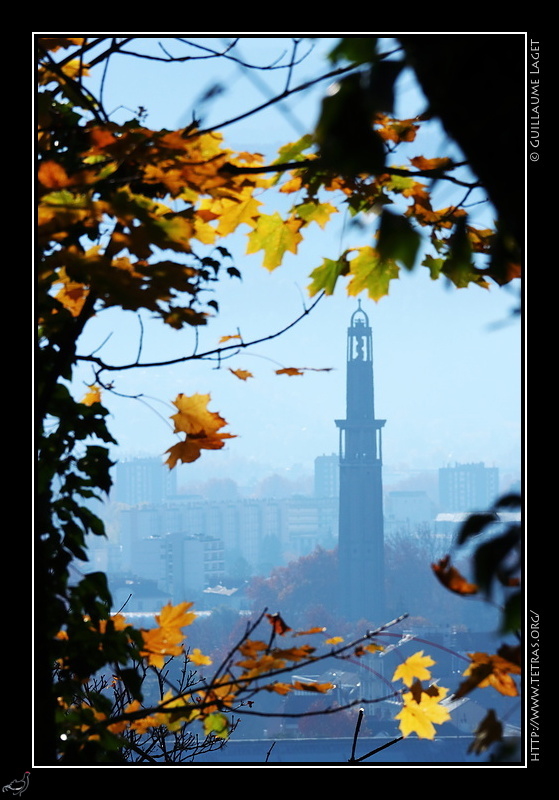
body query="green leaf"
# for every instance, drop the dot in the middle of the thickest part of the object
(294, 151)
(459, 267)
(324, 277)
(512, 614)
(382, 79)
(434, 265)
(218, 725)
(397, 239)
(359, 49)
(476, 524)
(348, 143)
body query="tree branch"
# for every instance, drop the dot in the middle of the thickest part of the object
(217, 351)
(317, 163)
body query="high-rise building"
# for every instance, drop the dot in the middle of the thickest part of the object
(143, 480)
(327, 476)
(361, 522)
(468, 487)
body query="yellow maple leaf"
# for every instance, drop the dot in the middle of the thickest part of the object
(373, 648)
(316, 212)
(275, 237)
(198, 658)
(177, 616)
(92, 396)
(118, 620)
(414, 667)
(421, 718)
(234, 212)
(193, 416)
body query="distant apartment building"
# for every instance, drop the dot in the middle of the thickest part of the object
(467, 487)
(143, 480)
(327, 476)
(263, 533)
(192, 563)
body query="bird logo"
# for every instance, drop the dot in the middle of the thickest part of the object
(16, 787)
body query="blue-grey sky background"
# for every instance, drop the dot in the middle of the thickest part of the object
(447, 362)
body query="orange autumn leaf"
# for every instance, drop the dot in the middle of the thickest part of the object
(451, 578)
(277, 624)
(309, 631)
(304, 686)
(190, 449)
(289, 371)
(431, 163)
(242, 374)
(279, 687)
(52, 175)
(72, 295)
(160, 643)
(166, 640)
(294, 653)
(490, 670)
(396, 130)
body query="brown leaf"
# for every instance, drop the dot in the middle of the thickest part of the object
(451, 578)
(277, 624)
(489, 730)
(490, 670)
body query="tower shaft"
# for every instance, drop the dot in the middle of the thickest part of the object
(361, 521)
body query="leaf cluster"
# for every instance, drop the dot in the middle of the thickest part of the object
(496, 562)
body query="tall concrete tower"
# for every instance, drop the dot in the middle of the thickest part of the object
(361, 522)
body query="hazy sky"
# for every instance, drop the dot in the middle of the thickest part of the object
(447, 362)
